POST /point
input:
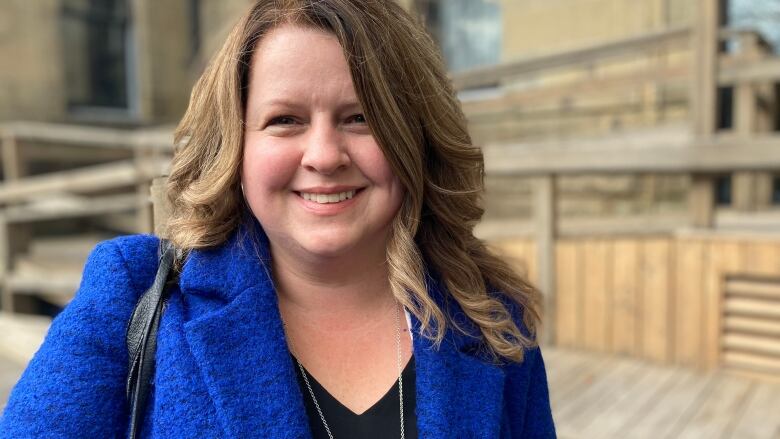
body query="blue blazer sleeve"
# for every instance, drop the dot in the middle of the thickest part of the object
(75, 384)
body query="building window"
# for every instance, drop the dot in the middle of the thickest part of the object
(723, 190)
(194, 10)
(776, 190)
(725, 106)
(95, 42)
(761, 15)
(468, 31)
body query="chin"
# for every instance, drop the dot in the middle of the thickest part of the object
(328, 247)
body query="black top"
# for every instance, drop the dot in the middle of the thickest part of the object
(380, 421)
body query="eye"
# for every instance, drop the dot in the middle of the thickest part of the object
(357, 118)
(282, 120)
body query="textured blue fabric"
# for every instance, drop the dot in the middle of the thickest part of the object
(223, 368)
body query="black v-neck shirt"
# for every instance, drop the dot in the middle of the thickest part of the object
(380, 421)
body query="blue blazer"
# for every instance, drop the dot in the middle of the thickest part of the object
(223, 368)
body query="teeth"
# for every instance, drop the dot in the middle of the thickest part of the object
(328, 198)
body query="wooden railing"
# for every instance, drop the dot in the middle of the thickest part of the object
(98, 173)
(581, 56)
(652, 286)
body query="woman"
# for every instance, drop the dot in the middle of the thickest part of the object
(324, 194)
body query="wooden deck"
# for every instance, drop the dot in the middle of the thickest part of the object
(604, 397)
(593, 396)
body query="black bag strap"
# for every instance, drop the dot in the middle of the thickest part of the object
(142, 337)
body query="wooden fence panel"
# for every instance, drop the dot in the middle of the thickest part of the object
(568, 305)
(596, 294)
(626, 296)
(657, 270)
(687, 306)
(761, 258)
(660, 298)
(519, 253)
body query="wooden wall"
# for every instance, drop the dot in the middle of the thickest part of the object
(659, 298)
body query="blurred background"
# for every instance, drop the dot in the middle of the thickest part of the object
(633, 175)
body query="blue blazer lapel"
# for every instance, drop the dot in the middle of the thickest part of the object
(243, 357)
(458, 394)
(236, 336)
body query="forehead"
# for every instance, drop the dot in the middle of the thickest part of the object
(294, 55)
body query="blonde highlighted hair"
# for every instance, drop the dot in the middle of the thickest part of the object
(415, 116)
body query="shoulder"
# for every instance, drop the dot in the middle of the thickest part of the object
(135, 256)
(128, 248)
(116, 273)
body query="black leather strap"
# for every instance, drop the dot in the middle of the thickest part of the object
(142, 337)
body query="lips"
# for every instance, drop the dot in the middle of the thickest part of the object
(320, 198)
(327, 198)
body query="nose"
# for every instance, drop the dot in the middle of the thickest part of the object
(325, 149)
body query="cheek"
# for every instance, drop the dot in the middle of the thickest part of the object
(374, 164)
(380, 172)
(266, 168)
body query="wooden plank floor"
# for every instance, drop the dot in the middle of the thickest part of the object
(595, 396)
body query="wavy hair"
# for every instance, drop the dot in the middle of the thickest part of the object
(416, 118)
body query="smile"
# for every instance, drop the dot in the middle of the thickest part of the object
(328, 198)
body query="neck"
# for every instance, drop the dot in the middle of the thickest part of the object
(337, 293)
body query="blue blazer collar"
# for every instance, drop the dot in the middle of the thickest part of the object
(237, 340)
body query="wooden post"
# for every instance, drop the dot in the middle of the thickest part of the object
(704, 58)
(545, 218)
(160, 206)
(5, 264)
(12, 162)
(703, 103)
(701, 201)
(743, 191)
(10, 157)
(748, 187)
(144, 218)
(142, 78)
(746, 93)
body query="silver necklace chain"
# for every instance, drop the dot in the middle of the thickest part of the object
(400, 378)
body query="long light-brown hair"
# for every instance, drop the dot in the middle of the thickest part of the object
(414, 114)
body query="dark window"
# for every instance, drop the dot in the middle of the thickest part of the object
(725, 107)
(776, 122)
(776, 190)
(723, 190)
(468, 31)
(194, 28)
(95, 44)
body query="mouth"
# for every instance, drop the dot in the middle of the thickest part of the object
(330, 198)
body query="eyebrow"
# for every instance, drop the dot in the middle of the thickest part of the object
(283, 102)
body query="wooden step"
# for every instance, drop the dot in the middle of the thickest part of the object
(753, 288)
(752, 362)
(752, 344)
(752, 307)
(66, 247)
(21, 335)
(62, 284)
(752, 325)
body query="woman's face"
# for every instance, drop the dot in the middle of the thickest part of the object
(313, 174)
